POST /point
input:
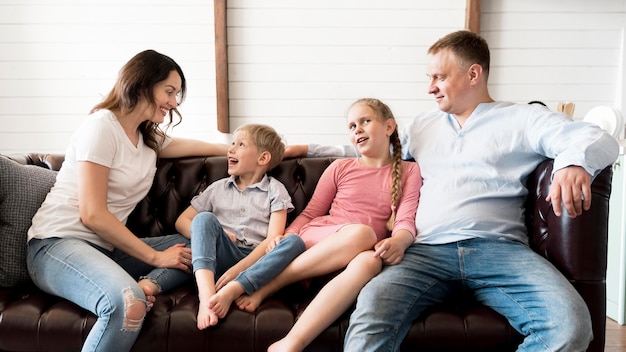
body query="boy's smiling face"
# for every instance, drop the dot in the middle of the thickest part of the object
(243, 155)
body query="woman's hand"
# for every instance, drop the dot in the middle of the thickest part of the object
(177, 256)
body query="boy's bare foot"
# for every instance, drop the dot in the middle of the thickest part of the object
(206, 316)
(249, 303)
(221, 301)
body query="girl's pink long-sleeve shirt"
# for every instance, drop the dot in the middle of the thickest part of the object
(348, 192)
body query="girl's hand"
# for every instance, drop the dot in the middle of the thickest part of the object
(388, 251)
(177, 256)
(391, 249)
(232, 236)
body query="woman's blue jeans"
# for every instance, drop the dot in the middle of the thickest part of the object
(212, 249)
(538, 301)
(101, 282)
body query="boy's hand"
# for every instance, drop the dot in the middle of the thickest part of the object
(227, 277)
(273, 243)
(232, 236)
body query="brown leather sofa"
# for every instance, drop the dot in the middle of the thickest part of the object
(33, 321)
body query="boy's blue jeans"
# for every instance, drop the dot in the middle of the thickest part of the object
(538, 301)
(212, 249)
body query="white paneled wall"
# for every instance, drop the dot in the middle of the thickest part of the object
(296, 65)
(556, 51)
(58, 58)
(299, 64)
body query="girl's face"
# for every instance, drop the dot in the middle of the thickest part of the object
(166, 95)
(243, 155)
(368, 132)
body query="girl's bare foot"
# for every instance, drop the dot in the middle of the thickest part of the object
(221, 301)
(285, 345)
(206, 316)
(249, 303)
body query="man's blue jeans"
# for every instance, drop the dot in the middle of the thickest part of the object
(538, 301)
(212, 249)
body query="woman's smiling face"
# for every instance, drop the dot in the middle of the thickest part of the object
(166, 95)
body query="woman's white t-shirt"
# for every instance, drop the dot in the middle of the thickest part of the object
(101, 140)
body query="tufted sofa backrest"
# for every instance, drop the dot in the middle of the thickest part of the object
(576, 246)
(178, 180)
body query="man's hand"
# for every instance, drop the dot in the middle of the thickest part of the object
(296, 151)
(571, 188)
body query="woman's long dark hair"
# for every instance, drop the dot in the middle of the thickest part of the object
(137, 79)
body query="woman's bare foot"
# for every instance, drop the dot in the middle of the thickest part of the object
(286, 345)
(206, 316)
(150, 289)
(221, 301)
(249, 303)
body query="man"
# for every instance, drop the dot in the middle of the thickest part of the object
(475, 155)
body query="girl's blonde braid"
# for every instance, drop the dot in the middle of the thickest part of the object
(396, 177)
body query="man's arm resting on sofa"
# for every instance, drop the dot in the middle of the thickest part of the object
(318, 150)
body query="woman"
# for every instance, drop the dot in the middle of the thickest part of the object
(78, 245)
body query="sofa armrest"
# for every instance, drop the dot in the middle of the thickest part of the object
(49, 161)
(575, 246)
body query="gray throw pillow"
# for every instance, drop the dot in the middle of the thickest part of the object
(22, 190)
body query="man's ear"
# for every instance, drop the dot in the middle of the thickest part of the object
(264, 158)
(475, 72)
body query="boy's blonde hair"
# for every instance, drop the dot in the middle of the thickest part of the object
(266, 139)
(384, 113)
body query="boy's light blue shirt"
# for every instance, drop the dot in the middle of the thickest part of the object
(475, 176)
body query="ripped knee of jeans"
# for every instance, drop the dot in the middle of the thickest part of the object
(134, 310)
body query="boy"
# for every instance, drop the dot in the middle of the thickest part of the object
(232, 222)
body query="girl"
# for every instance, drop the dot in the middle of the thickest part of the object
(357, 204)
